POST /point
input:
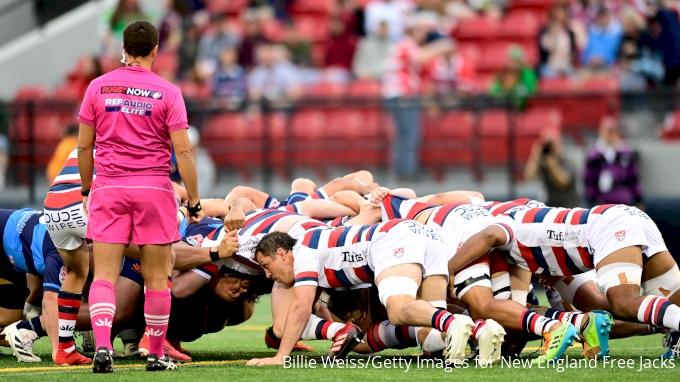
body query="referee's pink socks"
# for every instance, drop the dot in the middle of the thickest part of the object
(102, 309)
(157, 315)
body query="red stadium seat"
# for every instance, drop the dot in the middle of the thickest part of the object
(166, 62)
(364, 89)
(313, 28)
(65, 93)
(531, 4)
(226, 6)
(234, 140)
(312, 6)
(448, 140)
(31, 93)
(326, 90)
(519, 26)
(471, 51)
(529, 125)
(493, 127)
(479, 28)
(671, 128)
(601, 95)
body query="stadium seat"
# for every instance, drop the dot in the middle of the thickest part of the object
(471, 51)
(313, 28)
(601, 95)
(226, 6)
(671, 127)
(493, 129)
(479, 28)
(519, 26)
(27, 93)
(312, 6)
(166, 62)
(531, 4)
(331, 90)
(528, 127)
(233, 140)
(448, 140)
(364, 89)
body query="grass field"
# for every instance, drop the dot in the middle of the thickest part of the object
(221, 356)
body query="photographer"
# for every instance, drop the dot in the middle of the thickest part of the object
(556, 173)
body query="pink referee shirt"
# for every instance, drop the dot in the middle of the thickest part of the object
(133, 112)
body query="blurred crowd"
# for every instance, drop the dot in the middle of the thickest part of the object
(257, 48)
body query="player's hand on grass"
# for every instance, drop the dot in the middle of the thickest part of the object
(378, 195)
(235, 219)
(271, 361)
(228, 245)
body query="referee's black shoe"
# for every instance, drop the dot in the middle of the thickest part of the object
(153, 363)
(102, 361)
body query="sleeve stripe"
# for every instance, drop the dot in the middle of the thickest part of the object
(303, 279)
(307, 274)
(508, 231)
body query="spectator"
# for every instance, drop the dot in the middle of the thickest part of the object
(169, 30)
(252, 39)
(126, 11)
(555, 171)
(611, 174)
(394, 12)
(401, 87)
(517, 81)
(666, 33)
(341, 46)
(300, 48)
(638, 59)
(212, 44)
(90, 69)
(371, 54)
(230, 80)
(274, 78)
(188, 51)
(604, 39)
(205, 167)
(68, 142)
(459, 10)
(557, 44)
(449, 72)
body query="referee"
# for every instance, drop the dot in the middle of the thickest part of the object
(135, 118)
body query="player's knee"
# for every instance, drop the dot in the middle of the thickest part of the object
(303, 185)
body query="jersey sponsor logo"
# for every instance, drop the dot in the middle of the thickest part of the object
(137, 92)
(353, 257)
(399, 252)
(563, 236)
(620, 235)
(195, 240)
(62, 274)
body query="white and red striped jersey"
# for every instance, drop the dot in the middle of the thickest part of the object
(396, 207)
(402, 74)
(498, 208)
(550, 241)
(338, 257)
(456, 222)
(65, 190)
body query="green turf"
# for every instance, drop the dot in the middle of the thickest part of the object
(245, 342)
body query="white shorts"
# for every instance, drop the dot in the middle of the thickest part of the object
(401, 245)
(615, 229)
(67, 227)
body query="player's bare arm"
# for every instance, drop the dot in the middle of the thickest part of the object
(476, 246)
(187, 168)
(296, 320)
(189, 257)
